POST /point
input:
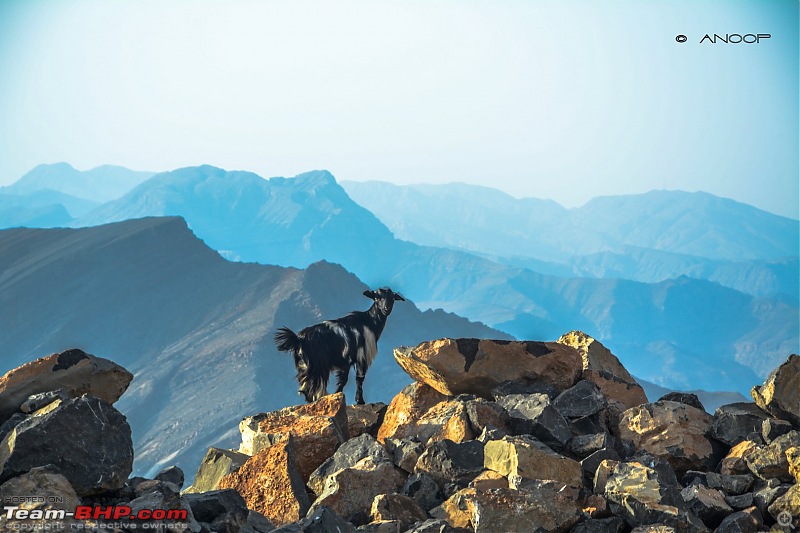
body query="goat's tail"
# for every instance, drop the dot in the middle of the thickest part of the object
(286, 340)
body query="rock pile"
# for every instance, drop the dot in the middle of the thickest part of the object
(63, 445)
(499, 436)
(492, 436)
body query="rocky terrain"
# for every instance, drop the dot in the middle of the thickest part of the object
(491, 436)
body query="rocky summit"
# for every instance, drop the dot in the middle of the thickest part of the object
(492, 436)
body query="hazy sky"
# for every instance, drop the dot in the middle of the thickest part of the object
(553, 99)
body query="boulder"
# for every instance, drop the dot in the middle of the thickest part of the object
(451, 462)
(770, 461)
(74, 372)
(786, 508)
(778, 395)
(583, 399)
(365, 418)
(742, 522)
(590, 464)
(94, 452)
(271, 484)
(616, 389)
(708, 504)
(473, 366)
(44, 488)
(455, 510)
(489, 479)
(350, 491)
(209, 506)
(769, 493)
(731, 485)
(635, 493)
(321, 520)
(171, 474)
(406, 408)
(733, 422)
(735, 463)
(673, 431)
(527, 458)
(533, 414)
(793, 458)
(404, 452)
(595, 356)
(423, 490)
(167, 500)
(772, 428)
(742, 501)
(317, 428)
(582, 446)
(547, 506)
(348, 454)
(398, 508)
(217, 464)
(687, 398)
(601, 525)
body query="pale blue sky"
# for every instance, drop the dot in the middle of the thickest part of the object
(553, 99)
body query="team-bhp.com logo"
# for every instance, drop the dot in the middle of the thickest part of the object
(728, 38)
(117, 513)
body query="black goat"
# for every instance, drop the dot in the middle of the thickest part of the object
(336, 345)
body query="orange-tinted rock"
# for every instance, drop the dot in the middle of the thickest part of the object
(489, 479)
(673, 431)
(365, 418)
(472, 366)
(74, 371)
(778, 395)
(735, 463)
(454, 510)
(271, 484)
(406, 409)
(318, 429)
(604, 369)
(350, 491)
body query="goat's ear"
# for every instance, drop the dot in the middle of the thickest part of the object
(398, 296)
(371, 295)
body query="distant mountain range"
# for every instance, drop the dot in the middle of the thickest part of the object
(671, 327)
(195, 329)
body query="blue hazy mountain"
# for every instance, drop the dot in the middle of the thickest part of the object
(98, 185)
(648, 237)
(683, 333)
(195, 329)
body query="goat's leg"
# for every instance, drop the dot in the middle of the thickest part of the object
(341, 378)
(361, 371)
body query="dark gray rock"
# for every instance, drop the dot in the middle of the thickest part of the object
(742, 522)
(604, 525)
(764, 497)
(772, 428)
(583, 399)
(742, 501)
(589, 465)
(42, 399)
(582, 446)
(683, 397)
(321, 520)
(171, 474)
(733, 422)
(730, 485)
(532, 414)
(588, 425)
(94, 452)
(397, 507)
(347, 456)
(404, 452)
(11, 423)
(708, 504)
(507, 388)
(424, 490)
(448, 462)
(208, 506)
